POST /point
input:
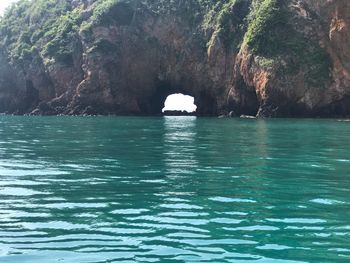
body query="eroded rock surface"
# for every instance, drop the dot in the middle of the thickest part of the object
(293, 62)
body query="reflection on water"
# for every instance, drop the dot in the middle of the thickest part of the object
(179, 145)
(173, 189)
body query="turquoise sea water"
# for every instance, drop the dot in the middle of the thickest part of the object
(173, 189)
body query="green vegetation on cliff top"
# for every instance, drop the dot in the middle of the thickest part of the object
(53, 29)
(52, 26)
(271, 35)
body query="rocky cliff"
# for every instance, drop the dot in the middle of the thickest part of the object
(269, 58)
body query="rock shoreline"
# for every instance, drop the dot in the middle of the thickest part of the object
(138, 54)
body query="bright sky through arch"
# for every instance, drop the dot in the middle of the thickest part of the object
(179, 102)
(4, 4)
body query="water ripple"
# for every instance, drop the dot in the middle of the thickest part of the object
(100, 190)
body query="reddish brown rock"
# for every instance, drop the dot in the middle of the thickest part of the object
(131, 66)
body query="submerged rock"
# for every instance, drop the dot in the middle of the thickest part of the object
(269, 58)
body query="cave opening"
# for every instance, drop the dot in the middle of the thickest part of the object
(179, 104)
(199, 102)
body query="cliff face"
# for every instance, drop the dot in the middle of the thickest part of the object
(259, 57)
